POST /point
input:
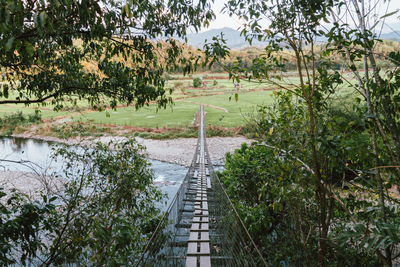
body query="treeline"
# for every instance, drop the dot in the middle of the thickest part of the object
(245, 57)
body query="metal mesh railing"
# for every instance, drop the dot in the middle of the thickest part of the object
(229, 241)
(231, 244)
(164, 247)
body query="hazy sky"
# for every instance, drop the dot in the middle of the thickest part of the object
(223, 20)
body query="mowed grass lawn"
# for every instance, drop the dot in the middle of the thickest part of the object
(181, 114)
(45, 113)
(246, 104)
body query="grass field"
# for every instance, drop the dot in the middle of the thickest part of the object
(223, 112)
(179, 115)
(217, 94)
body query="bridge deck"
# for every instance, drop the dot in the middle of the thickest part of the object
(198, 248)
(201, 228)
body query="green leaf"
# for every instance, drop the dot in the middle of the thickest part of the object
(126, 10)
(370, 116)
(5, 90)
(42, 18)
(9, 43)
(236, 97)
(108, 114)
(29, 48)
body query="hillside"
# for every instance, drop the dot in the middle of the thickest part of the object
(395, 35)
(233, 38)
(236, 41)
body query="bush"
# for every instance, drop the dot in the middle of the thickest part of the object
(197, 82)
(270, 195)
(272, 187)
(215, 82)
(103, 216)
(9, 123)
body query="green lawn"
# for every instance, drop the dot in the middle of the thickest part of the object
(179, 115)
(245, 104)
(45, 112)
(187, 100)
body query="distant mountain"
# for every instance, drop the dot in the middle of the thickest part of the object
(232, 37)
(391, 36)
(235, 41)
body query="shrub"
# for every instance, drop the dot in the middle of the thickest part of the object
(103, 216)
(197, 82)
(9, 123)
(271, 198)
(270, 184)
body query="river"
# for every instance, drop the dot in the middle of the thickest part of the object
(168, 176)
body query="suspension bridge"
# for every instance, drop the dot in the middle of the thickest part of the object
(201, 227)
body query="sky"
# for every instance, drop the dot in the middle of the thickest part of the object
(223, 20)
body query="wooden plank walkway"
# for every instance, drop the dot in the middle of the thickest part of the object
(198, 248)
(193, 232)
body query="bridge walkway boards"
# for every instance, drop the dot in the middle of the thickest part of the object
(201, 227)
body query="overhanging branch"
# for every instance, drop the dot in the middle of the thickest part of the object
(28, 101)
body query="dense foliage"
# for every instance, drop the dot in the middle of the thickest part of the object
(270, 183)
(325, 173)
(45, 47)
(106, 52)
(102, 215)
(197, 82)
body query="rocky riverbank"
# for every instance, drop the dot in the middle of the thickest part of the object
(178, 151)
(30, 184)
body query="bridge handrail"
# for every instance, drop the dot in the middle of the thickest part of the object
(241, 221)
(235, 231)
(169, 209)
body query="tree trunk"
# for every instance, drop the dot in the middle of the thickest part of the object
(320, 193)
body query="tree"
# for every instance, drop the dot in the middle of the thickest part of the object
(104, 51)
(380, 89)
(103, 213)
(318, 139)
(46, 46)
(293, 24)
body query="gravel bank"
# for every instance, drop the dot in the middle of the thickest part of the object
(178, 151)
(181, 150)
(30, 184)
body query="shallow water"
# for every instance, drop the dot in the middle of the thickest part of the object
(168, 176)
